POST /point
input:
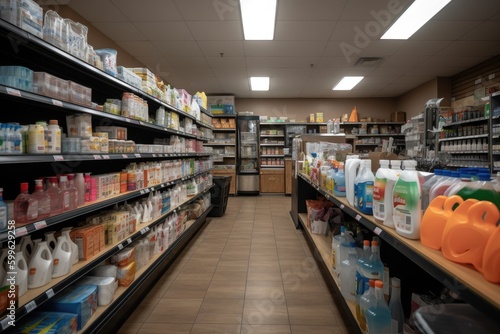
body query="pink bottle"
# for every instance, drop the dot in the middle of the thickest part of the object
(80, 187)
(63, 186)
(25, 207)
(73, 192)
(43, 200)
(55, 196)
(87, 179)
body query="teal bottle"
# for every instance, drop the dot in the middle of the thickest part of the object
(378, 317)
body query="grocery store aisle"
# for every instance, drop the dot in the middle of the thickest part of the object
(249, 271)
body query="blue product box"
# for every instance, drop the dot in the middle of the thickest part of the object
(49, 323)
(81, 300)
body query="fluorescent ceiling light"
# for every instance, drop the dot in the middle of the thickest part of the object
(259, 83)
(259, 18)
(414, 18)
(347, 83)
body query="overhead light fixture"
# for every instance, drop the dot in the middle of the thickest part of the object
(259, 18)
(419, 12)
(347, 83)
(259, 83)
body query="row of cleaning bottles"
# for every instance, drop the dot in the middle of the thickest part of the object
(362, 274)
(398, 195)
(38, 261)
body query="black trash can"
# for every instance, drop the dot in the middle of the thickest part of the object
(219, 195)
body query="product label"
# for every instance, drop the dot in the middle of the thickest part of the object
(364, 194)
(379, 187)
(406, 200)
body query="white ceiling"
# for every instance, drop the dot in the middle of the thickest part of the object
(182, 41)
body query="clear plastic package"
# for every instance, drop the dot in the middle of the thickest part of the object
(55, 30)
(50, 85)
(79, 94)
(108, 57)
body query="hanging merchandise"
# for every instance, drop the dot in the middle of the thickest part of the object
(378, 317)
(363, 184)
(435, 218)
(407, 205)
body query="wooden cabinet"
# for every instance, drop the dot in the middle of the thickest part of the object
(232, 186)
(288, 176)
(272, 181)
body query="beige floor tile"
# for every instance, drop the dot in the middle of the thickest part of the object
(200, 262)
(264, 276)
(239, 265)
(215, 329)
(187, 289)
(265, 312)
(179, 311)
(237, 255)
(264, 267)
(228, 274)
(304, 290)
(143, 311)
(130, 327)
(271, 290)
(317, 330)
(265, 329)
(226, 289)
(310, 313)
(220, 311)
(159, 328)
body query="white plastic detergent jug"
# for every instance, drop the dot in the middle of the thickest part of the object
(40, 267)
(74, 248)
(351, 167)
(20, 275)
(27, 246)
(407, 205)
(363, 184)
(379, 191)
(62, 257)
(50, 239)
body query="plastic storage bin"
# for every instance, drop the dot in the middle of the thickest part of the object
(219, 195)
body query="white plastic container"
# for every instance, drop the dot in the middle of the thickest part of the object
(379, 192)
(36, 139)
(106, 287)
(347, 275)
(21, 274)
(351, 167)
(54, 137)
(62, 257)
(40, 267)
(27, 246)
(407, 201)
(74, 248)
(50, 239)
(363, 185)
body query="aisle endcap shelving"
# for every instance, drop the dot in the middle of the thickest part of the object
(464, 280)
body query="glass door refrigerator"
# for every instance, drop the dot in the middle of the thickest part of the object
(248, 157)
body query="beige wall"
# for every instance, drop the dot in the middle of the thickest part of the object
(98, 40)
(414, 101)
(299, 109)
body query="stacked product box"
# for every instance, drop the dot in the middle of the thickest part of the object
(16, 76)
(49, 323)
(50, 85)
(129, 77)
(125, 261)
(90, 241)
(79, 94)
(26, 14)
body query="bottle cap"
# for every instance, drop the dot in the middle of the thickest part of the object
(379, 284)
(24, 186)
(375, 243)
(395, 282)
(53, 122)
(366, 243)
(371, 283)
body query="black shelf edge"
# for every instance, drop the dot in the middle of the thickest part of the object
(51, 221)
(469, 152)
(60, 55)
(223, 130)
(447, 279)
(223, 116)
(73, 276)
(267, 144)
(44, 158)
(475, 120)
(205, 111)
(272, 155)
(464, 137)
(378, 135)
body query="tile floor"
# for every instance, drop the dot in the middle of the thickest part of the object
(247, 272)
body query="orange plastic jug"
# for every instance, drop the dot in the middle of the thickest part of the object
(491, 258)
(468, 230)
(435, 218)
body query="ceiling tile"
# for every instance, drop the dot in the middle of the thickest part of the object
(444, 30)
(165, 31)
(486, 31)
(318, 10)
(476, 10)
(303, 30)
(421, 48)
(376, 10)
(455, 61)
(150, 10)
(471, 49)
(403, 61)
(230, 85)
(227, 62)
(223, 73)
(279, 72)
(434, 71)
(178, 48)
(97, 10)
(284, 48)
(336, 49)
(216, 30)
(190, 62)
(304, 62)
(379, 48)
(139, 48)
(202, 10)
(120, 31)
(332, 62)
(229, 48)
(349, 30)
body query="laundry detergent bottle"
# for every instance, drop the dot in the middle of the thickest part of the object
(407, 204)
(363, 183)
(379, 191)
(339, 187)
(351, 167)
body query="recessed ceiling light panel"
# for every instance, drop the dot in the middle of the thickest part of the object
(348, 83)
(259, 19)
(259, 83)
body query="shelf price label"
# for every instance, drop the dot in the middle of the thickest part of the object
(358, 217)
(342, 206)
(39, 225)
(129, 241)
(57, 103)
(58, 157)
(50, 293)
(97, 157)
(120, 246)
(125, 156)
(30, 306)
(21, 231)
(5, 323)
(13, 92)
(106, 157)
(128, 120)
(377, 230)
(137, 155)
(141, 192)
(146, 190)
